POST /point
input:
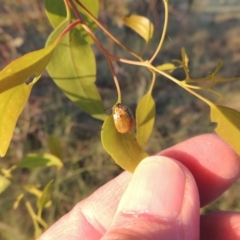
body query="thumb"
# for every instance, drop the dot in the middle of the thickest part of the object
(161, 202)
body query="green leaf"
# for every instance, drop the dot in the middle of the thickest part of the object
(218, 68)
(55, 146)
(228, 128)
(14, 92)
(185, 58)
(56, 13)
(45, 198)
(169, 67)
(73, 69)
(145, 117)
(33, 189)
(140, 25)
(12, 102)
(40, 160)
(20, 70)
(123, 148)
(4, 183)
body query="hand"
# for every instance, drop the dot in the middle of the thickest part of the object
(162, 199)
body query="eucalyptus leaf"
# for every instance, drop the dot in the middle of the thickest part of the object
(73, 69)
(15, 89)
(169, 67)
(34, 160)
(123, 148)
(185, 58)
(44, 199)
(21, 69)
(145, 117)
(56, 13)
(55, 146)
(12, 102)
(33, 189)
(140, 25)
(228, 127)
(4, 183)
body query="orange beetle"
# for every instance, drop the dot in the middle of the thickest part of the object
(123, 118)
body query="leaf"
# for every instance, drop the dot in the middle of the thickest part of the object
(73, 69)
(123, 148)
(33, 189)
(218, 68)
(169, 67)
(4, 183)
(55, 146)
(145, 117)
(17, 201)
(18, 71)
(56, 13)
(140, 25)
(14, 92)
(185, 58)
(228, 128)
(12, 102)
(45, 198)
(40, 160)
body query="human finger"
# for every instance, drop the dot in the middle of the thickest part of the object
(90, 218)
(220, 226)
(161, 202)
(213, 163)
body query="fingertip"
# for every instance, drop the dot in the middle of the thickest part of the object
(162, 194)
(152, 189)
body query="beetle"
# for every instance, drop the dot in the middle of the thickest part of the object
(123, 118)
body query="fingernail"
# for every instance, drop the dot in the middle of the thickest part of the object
(157, 188)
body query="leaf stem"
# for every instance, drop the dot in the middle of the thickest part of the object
(108, 33)
(119, 43)
(150, 66)
(109, 56)
(116, 81)
(147, 64)
(208, 79)
(184, 63)
(182, 85)
(163, 33)
(89, 31)
(152, 82)
(66, 30)
(68, 10)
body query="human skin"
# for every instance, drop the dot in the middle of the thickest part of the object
(162, 199)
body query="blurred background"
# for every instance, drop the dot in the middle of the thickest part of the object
(209, 31)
